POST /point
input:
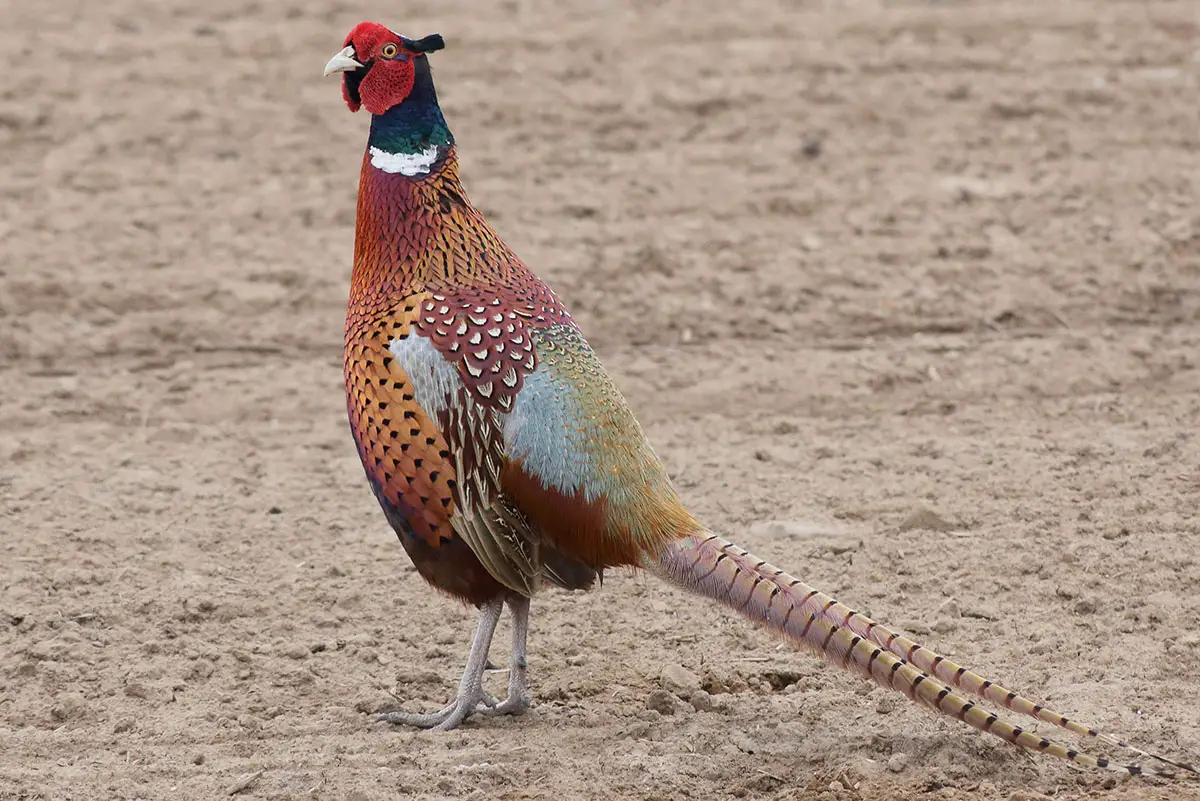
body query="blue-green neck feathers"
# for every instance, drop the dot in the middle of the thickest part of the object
(411, 136)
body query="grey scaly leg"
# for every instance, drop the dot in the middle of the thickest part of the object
(517, 701)
(470, 690)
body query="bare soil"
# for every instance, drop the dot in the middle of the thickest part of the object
(907, 295)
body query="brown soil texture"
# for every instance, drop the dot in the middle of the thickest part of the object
(906, 294)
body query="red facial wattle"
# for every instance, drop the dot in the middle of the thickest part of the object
(377, 66)
(386, 83)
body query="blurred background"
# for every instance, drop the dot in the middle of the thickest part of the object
(907, 295)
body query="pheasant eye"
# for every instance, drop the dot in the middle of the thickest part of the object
(389, 50)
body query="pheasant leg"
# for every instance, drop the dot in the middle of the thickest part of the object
(471, 697)
(517, 701)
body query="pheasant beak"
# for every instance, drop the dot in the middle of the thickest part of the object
(342, 62)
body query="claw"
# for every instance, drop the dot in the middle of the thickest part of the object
(472, 698)
(420, 720)
(447, 718)
(515, 705)
(457, 712)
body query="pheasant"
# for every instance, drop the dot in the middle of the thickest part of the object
(506, 459)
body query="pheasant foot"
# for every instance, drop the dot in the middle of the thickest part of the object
(471, 698)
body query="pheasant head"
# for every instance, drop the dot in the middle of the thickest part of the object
(389, 75)
(379, 66)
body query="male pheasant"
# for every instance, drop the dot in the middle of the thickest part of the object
(504, 456)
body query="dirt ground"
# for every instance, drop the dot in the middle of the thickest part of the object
(907, 295)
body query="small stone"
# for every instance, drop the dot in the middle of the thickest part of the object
(715, 682)
(742, 742)
(915, 627)
(886, 705)
(662, 702)
(679, 680)
(702, 701)
(296, 651)
(722, 702)
(1085, 607)
(576, 660)
(925, 519)
(70, 705)
(898, 762)
(944, 626)
(198, 759)
(200, 671)
(369, 706)
(731, 683)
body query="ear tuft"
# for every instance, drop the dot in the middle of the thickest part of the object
(429, 44)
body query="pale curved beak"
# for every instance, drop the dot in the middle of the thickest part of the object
(342, 62)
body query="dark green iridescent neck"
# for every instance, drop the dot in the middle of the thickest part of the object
(415, 124)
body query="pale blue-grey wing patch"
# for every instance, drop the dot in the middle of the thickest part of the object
(544, 433)
(571, 428)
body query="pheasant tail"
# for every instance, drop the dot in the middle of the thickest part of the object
(716, 568)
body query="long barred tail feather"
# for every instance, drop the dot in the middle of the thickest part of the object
(714, 567)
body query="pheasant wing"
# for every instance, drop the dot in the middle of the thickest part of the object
(462, 359)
